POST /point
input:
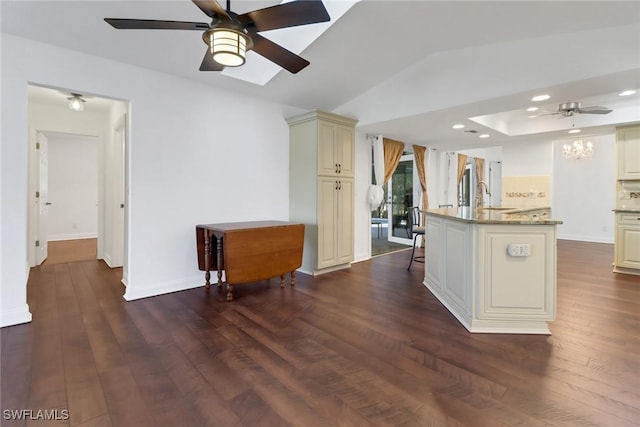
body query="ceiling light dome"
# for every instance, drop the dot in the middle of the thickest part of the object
(76, 102)
(539, 98)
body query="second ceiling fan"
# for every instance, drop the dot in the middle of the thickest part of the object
(229, 35)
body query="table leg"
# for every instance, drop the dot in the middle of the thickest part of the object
(282, 280)
(293, 278)
(229, 292)
(219, 259)
(207, 253)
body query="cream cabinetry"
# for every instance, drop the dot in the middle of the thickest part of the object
(628, 152)
(627, 211)
(335, 150)
(321, 188)
(494, 276)
(627, 243)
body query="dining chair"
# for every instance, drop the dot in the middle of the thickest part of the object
(416, 230)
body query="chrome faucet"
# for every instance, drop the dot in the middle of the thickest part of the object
(479, 193)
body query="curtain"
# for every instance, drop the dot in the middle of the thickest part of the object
(392, 153)
(418, 156)
(449, 176)
(376, 192)
(433, 183)
(479, 177)
(462, 163)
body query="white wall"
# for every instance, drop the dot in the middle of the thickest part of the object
(73, 187)
(584, 192)
(527, 158)
(197, 155)
(362, 210)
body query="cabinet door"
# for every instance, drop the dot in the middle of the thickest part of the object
(344, 221)
(327, 157)
(327, 206)
(345, 151)
(628, 147)
(628, 246)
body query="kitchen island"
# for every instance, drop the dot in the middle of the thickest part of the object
(494, 269)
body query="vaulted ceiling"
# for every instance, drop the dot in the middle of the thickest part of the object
(405, 69)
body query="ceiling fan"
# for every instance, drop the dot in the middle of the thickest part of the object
(230, 35)
(568, 109)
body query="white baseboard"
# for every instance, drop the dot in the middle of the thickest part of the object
(75, 236)
(586, 238)
(15, 316)
(135, 292)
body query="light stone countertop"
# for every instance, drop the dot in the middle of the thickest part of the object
(492, 216)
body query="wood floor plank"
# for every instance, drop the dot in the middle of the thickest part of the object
(367, 346)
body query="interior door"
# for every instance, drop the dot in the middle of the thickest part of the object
(119, 193)
(42, 198)
(399, 200)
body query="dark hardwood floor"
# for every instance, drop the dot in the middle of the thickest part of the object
(368, 346)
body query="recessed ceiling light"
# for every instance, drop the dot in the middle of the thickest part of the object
(627, 93)
(458, 126)
(532, 117)
(539, 98)
(484, 135)
(532, 109)
(575, 131)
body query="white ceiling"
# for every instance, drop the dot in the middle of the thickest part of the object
(405, 69)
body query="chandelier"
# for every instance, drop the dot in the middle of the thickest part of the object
(577, 150)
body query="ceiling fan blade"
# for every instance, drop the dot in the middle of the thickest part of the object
(151, 24)
(211, 8)
(299, 12)
(594, 110)
(208, 64)
(277, 54)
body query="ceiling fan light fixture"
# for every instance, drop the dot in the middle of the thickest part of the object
(228, 46)
(76, 103)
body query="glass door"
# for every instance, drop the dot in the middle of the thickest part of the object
(400, 200)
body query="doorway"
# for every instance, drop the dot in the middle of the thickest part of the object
(68, 199)
(105, 120)
(389, 222)
(400, 201)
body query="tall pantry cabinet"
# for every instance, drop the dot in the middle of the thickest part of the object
(321, 188)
